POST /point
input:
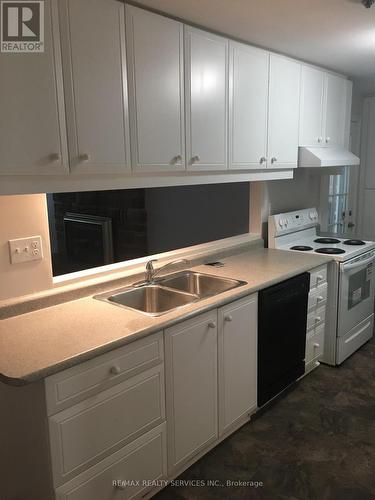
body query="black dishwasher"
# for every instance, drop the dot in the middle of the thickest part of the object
(282, 326)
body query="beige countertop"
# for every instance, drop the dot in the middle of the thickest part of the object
(40, 343)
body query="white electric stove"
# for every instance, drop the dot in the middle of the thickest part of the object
(351, 279)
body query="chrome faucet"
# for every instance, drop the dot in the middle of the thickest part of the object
(151, 272)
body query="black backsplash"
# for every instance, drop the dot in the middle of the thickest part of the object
(147, 221)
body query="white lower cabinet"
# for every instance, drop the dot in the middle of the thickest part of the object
(211, 378)
(131, 472)
(316, 318)
(191, 387)
(92, 429)
(112, 436)
(237, 324)
(122, 437)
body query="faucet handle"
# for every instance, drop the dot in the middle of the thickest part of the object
(149, 264)
(150, 271)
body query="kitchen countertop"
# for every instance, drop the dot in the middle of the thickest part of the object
(37, 344)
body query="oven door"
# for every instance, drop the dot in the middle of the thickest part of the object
(357, 291)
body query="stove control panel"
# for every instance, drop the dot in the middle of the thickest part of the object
(292, 221)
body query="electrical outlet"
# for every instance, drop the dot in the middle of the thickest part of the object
(25, 249)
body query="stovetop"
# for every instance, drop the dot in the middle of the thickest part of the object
(299, 232)
(339, 249)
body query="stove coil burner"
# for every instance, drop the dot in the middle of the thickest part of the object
(301, 248)
(330, 251)
(327, 241)
(354, 242)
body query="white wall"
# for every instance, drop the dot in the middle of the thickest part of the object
(23, 216)
(366, 202)
(273, 197)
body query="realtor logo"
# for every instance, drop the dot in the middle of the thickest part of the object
(22, 26)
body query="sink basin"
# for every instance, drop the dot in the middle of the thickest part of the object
(203, 285)
(153, 300)
(170, 292)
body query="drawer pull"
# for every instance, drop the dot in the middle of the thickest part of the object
(317, 363)
(212, 324)
(228, 318)
(320, 277)
(316, 346)
(115, 370)
(317, 319)
(84, 157)
(54, 157)
(320, 298)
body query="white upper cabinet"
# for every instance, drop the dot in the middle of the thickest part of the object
(311, 110)
(248, 106)
(155, 47)
(32, 120)
(336, 109)
(283, 122)
(325, 108)
(93, 48)
(206, 72)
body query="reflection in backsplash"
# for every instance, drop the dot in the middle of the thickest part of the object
(91, 229)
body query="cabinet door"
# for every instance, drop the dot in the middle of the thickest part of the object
(191, 382)
(237, 324)
(32, 120)
(206, 100)
(283, 123)
(248, 106)
(336, 91)
(155, 57)
(311, 108)
(93, 45)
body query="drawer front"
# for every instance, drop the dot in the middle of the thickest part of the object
(128, 473)
(84, 434)
(354, 339)
(76, 384)
(315, 344)
(318, 296)
(316, 317)
(318, 277)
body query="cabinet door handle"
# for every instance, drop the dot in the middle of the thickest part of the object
(320, 139)
(273, 159)
(54, 157)
(176, 159)
(318, 318)
(228, 318)
(212, 324)
(320, 277)
(320, 298)
(328, 140)
(84, 157)
(263, 160)
(316, 346)
(115, 370)
(195, 159)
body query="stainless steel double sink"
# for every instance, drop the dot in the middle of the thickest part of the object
(170, 292)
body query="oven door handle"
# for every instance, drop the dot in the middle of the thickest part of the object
(359, 264)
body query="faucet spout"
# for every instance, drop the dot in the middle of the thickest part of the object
(151, 272)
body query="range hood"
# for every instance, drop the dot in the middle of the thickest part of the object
(326, 157)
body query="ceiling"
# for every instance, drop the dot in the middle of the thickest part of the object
(336, 34)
